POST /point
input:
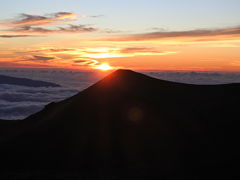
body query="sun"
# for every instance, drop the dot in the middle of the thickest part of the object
(104, 67)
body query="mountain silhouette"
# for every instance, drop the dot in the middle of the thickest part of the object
(25, 82)
(128, 126)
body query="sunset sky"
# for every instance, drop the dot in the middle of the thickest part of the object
(192, 35)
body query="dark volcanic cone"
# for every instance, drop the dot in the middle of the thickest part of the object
(129, 125)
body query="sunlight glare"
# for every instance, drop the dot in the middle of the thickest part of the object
(104, 67)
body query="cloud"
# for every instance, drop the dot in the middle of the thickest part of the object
(139, 50)
(20, 97)
(15, 36)
(36, 20)
(91, 16)
(69, 29)
(111, 31)
(20, 102)
(26, 25)
(53, 50)
(86, 62)
(61, 50)
(229, 32)
(40, 58)
(81, 55)
(195, 77)
(85, 57)
(97, 16)
(101, 50)
(20, 111)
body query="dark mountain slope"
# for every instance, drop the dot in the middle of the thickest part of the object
(129, 125)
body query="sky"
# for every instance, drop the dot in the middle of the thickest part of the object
(182, 35)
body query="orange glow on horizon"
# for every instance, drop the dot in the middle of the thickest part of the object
(221, 55)
(104, 67)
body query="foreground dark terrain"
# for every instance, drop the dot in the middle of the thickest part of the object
(128, 126)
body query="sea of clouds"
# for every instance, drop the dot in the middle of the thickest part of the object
(18, 102)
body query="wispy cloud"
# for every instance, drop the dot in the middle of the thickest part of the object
(39, 58)
(100, 52)
(157, 35)
(91, 16)
(81, 57)
(14, 36)
(54, 50)
(36, 20)
(88, 57)
(143, 51)
(139, 50)
(86, 62)
(69, 29)
(26, 25)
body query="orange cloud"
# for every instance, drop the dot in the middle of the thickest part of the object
(14, 36)
(78, 57)
(40, 58)
(27, 25)
(158, 35)
(102, 52)
(69, 29)
(140, 50)
(86, 62)
(36, 20)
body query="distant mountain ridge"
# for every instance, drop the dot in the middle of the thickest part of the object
(25, 82)
(129, 126)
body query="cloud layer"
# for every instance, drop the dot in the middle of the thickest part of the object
(198, 33)
(87, 57)
(68, 29)
(18, 102)
(36, 20)
(26, 25)
(40, 58)
(14, 36)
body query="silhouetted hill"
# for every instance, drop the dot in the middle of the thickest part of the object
(130, 126)
(25, 82)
